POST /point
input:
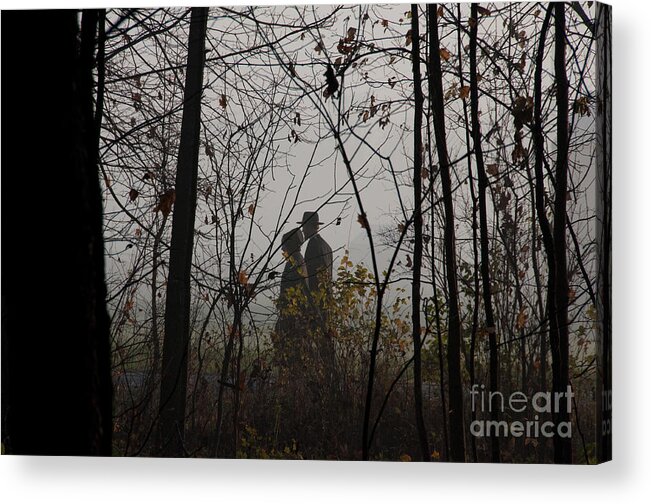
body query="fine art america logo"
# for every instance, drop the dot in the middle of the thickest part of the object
(518, 402)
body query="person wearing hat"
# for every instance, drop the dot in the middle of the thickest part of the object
(290, 325)
(318, 260)
(318, 254)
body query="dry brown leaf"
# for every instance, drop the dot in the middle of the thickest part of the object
(166, 202)
(521, 320)
(408, 38)
(243, 278)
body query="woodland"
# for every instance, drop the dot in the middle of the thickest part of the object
(455, 155)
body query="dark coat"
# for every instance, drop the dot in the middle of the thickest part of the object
(318, 259)
(294, 275)
(291, 327)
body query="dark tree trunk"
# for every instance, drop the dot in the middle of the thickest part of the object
(483, 230)
(418, 234)
(177, 308)
(470, 364)
(543, 221)
(559, 341)
(604, 233)
(57, 392)
(435, 81)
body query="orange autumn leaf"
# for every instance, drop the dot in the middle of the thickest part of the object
(444, 53)
(243, 278)
(464, 92)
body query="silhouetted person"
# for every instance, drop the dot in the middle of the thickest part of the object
(318, 254)
(318, 259)
(292, 323)
(295, 272)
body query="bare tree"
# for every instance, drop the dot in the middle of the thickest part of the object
(177, 310)
(418, 234)
(483, 228)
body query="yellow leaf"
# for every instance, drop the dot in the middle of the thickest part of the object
(405, 458)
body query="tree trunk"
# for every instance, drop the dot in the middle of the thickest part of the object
(559, 340)
(455, 395)
(543, 221)
(418, 235)
(483, 231)
(604, 234)
(177, 308)
(57, 393)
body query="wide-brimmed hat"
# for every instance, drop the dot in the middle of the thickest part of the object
(295, 235)
(310, 216)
